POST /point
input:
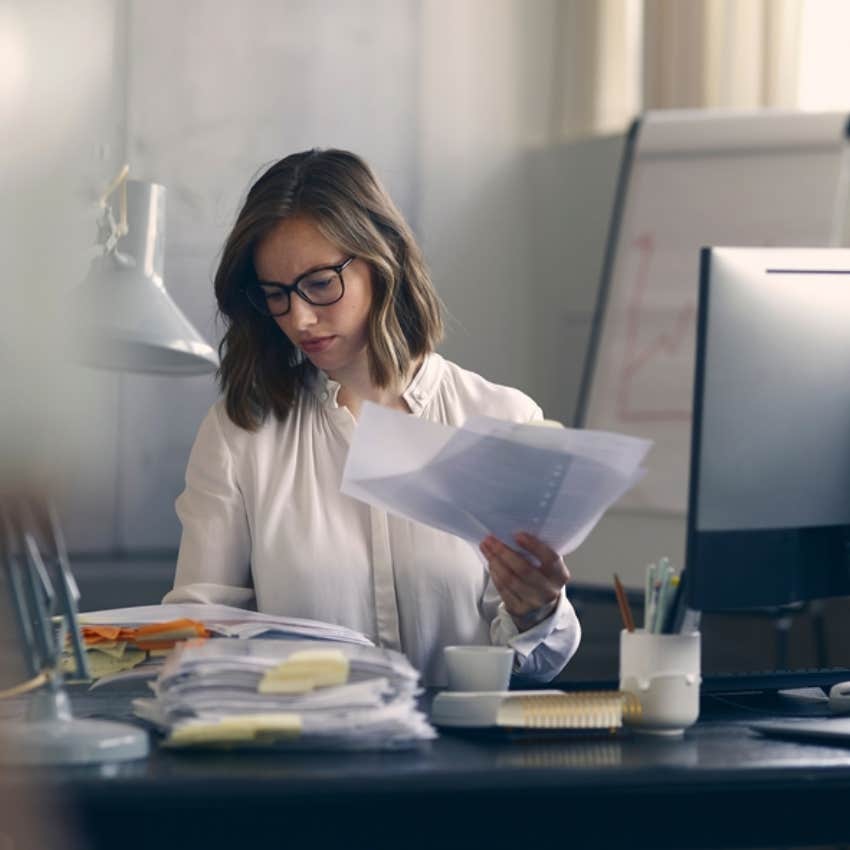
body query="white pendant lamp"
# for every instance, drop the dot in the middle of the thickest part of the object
(125, 318)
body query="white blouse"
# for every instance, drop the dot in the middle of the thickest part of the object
(265, 524)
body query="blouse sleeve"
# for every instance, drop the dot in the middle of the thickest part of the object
(542, 651)
(214, 562)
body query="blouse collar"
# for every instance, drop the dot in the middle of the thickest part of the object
(418, 394)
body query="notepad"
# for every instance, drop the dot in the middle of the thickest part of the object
(580, 710)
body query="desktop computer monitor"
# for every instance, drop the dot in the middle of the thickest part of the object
(769, 494)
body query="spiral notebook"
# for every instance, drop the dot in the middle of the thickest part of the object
(578, 711)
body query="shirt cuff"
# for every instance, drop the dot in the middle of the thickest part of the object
(524, 643)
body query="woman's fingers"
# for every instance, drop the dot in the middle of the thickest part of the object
(525, 585)
(529, 585)
(551, 563)
(502, 578)
(521, 570)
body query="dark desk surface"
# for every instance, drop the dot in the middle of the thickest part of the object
(722, 785)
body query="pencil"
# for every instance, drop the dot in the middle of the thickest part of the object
(625, 611)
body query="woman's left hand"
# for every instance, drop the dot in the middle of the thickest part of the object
(530, 593)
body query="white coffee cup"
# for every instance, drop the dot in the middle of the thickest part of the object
(479, 668)
(663, 672)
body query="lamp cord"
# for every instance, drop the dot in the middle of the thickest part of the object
(119, 181)
(24, 687)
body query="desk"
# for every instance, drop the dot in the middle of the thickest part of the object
(720, 786)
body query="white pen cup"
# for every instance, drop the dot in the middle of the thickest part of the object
(479, 668)
(663, 672)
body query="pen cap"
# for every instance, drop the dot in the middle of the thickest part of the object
(646, 654)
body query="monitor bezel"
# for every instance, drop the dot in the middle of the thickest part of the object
(784, 583)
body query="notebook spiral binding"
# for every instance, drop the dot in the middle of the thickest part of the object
(579, 710)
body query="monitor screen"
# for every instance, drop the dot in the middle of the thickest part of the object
(769, 490)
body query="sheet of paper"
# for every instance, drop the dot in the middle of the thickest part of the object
(490, 476)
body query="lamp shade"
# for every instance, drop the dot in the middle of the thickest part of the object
(125, 318)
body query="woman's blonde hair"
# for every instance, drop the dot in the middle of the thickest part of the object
(261, 371)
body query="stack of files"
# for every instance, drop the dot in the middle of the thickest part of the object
(111, 662)
(490, 476)
(286, 694)
(113, 649)
(225, 621)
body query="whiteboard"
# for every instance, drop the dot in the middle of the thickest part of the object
(691, 179)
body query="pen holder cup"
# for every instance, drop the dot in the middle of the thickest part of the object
(663, 672)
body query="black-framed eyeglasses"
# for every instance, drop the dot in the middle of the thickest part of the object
(319, 287)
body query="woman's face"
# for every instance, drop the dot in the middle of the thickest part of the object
(333, 337)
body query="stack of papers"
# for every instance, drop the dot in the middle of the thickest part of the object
(114, 649)
(116, 660)
(226, 621)
(286, 694)
(491, 476)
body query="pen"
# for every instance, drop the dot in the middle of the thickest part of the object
(668, 592)
(670, 624)
(653, 599)
(625, 611)
(680, 604)
(665, 573)
(647, 596)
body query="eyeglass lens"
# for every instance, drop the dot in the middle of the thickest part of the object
(320, 288)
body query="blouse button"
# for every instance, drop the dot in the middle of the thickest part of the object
(324, 396)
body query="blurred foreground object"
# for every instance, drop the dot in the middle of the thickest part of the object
(36, 579)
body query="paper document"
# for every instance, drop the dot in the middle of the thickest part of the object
(226, 621)
(491, 476)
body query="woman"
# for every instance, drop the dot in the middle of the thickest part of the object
(327, 304)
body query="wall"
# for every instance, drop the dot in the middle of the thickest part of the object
(214, 91)
(450, 102)
(455, 116)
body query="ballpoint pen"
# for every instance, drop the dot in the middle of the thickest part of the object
(647, 597)
(672, 619)
(666, 572)
(652, 611)
(668, 596)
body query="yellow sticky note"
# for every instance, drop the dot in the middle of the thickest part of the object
(237, 729)
(305, 670)
(103, 663)
(115, 648)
